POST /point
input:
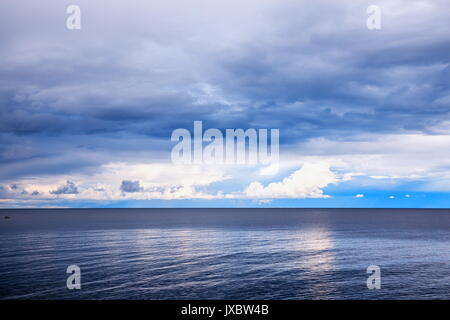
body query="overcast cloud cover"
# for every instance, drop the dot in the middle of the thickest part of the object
(86, 115)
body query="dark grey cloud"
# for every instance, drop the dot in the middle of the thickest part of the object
(68, 188)
(114, 91)
(130, 186)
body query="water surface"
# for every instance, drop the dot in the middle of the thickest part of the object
(225, 253)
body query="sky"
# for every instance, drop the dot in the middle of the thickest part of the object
(87, 114)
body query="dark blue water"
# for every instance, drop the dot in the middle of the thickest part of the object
(225, 253)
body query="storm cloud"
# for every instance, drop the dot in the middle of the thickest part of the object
(73, 101)
(68, 188)
(130, 186)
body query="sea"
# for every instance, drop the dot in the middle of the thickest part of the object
(228, 254)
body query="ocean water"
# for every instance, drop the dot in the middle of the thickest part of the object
(225, 253)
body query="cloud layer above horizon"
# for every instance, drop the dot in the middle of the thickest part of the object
(87, 114)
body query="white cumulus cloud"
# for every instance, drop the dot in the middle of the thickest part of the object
(307, 182)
